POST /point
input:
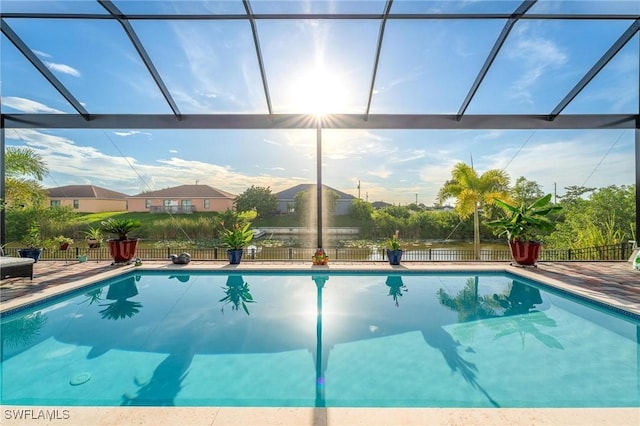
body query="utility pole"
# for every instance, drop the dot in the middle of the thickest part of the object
(359, 190)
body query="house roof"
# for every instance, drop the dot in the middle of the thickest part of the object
(290, 193)
(187, 191)
(85, 191)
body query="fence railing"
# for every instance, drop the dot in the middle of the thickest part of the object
(611, 252)
(172, 209)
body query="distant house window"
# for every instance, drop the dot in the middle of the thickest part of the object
(76, 204)
(147, 204)
(55, 203)
(170, 206)
(185, 205)
(207, 204)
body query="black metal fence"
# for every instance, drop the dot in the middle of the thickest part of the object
(612, 252)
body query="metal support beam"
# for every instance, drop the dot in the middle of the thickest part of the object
(637, 135)
(40, 66)
(383, 24)
(336, 121)
(319, 179)
(526, 5)
(323, 16)
(117, 14)
(3, 191)
(604, 60)
(256, 42)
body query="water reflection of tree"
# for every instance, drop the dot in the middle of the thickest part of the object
(93, 296)
(470, 307)
(518, 307)
(467, 303)
(165, 383)
(438, 338)
(396, 287)
(237, 294)
(20, 332)
(121, 308)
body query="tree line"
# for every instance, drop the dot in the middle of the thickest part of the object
(590, 216)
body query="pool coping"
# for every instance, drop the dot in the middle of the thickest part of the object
(231, 416)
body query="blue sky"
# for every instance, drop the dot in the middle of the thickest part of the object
(425, 67)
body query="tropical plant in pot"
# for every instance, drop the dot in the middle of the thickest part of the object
(122, 248)
(32, 243)
(236, 238)
(394, 252)
(59, 243)
(94, 237)
(320, 257)
(523, 225)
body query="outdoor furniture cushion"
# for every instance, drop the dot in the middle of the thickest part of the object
(11, 267)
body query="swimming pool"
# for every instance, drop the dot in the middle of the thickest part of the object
(335, 340)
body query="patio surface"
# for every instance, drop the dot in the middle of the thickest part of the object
(613, 283)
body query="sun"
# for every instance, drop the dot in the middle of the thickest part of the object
(319, 91)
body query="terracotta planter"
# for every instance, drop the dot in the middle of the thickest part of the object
(122, 250)
(525, 253)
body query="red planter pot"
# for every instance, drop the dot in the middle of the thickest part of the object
(122, 250)
(525, 253)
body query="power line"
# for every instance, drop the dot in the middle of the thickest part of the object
(602, 159)
(519, 150)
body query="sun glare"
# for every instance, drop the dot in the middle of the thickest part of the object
(319, 91)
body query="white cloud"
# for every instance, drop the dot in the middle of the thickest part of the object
(535, 55)
(65, 69)
(131, 133)
(380, 172)
(28, 106)
(41, 53)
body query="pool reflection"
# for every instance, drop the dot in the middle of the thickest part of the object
(121, 308)
(312, 340)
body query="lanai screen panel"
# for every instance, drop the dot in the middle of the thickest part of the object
(154, 78)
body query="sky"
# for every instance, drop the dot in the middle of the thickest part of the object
(323, 66)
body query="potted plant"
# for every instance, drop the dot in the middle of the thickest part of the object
(93, 237)
(522, 226)
(32, 243)
(394, 252)
(320, 257)
(236, 239)
(60, 243)
(122, 248)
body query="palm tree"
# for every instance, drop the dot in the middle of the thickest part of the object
(24, 168)
(471, 191)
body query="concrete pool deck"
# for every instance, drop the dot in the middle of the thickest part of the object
(612, 283)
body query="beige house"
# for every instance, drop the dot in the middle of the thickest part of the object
(87, 198)
(182, 199)
(286, 198)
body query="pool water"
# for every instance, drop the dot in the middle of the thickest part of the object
(335, 340)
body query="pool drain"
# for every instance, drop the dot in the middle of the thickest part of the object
(80, 379)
